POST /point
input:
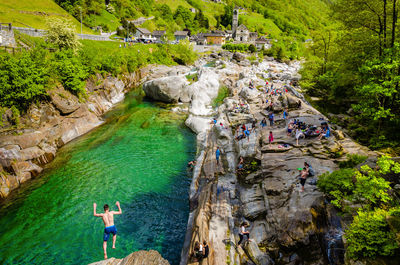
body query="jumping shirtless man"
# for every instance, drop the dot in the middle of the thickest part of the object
(108, 219)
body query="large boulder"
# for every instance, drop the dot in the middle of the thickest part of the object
(198, 124)
(251, 95)
(63, 100)
(238, 56)
(167, 89)
(204, 92)
(141, 257)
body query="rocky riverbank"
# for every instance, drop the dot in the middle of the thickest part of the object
(287, 226)
(53, 123)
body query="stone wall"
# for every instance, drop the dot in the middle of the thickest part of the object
(40, 33)
(7, 35)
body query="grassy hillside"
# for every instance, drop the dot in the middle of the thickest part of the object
(23, 13)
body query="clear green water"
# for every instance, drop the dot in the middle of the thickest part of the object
(138, 157)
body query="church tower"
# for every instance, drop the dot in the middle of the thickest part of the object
(235, 21)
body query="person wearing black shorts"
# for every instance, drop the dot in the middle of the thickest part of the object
(303, 178)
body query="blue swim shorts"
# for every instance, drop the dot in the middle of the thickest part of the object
(109, 229)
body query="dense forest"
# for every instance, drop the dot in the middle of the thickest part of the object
(353, 68)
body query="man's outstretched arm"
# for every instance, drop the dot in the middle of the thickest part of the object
(119, 208)
(94, 211)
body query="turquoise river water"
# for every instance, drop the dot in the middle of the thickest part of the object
(137, 157)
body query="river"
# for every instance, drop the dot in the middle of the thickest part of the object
(137, 157)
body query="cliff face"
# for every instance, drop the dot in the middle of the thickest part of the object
(50, 125)
(286, 226)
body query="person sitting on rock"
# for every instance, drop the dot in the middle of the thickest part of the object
(290, 129)
(310, 170)
(326, 132)
(243, 233)
(240, 164)
(198, 251)
(251, 86)
(247, 134)
(191, 164)
(241, 136)
(108, 219)
(299, 134)
(206, 249)
(263, 123)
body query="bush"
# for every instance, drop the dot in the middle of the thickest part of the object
(338, 185)
(352, 161)
(369, 236)
(23, 78)
(71, 72)
(235, 47)
(252, 48)
(15, 115)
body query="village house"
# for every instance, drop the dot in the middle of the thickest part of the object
(159, 35)
(181, 35)
(214, 38)
(262, 43)
(142, 33)
(252, 37)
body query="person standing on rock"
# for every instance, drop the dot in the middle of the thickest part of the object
(243, 233)
(285, 114)
(108, 219)
(303, 178)
(218, 154)
(271, 118)
(270, 139)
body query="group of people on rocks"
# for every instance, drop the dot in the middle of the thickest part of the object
(241, 107)
(303, 130)
(295, 127)
(243, 131)
(201, 250)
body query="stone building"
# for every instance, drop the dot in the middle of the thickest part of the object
(214, 38)
(159, 35)
(242, 34)
(142, 33)
(181, 35)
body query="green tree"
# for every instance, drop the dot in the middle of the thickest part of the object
(71, 72)
(183, 16)
(61, 33)
(369, 236)
(252, 48)
(381, 88)
(23, 78)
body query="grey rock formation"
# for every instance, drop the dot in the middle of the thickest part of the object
(167, 89)
(63, 100)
